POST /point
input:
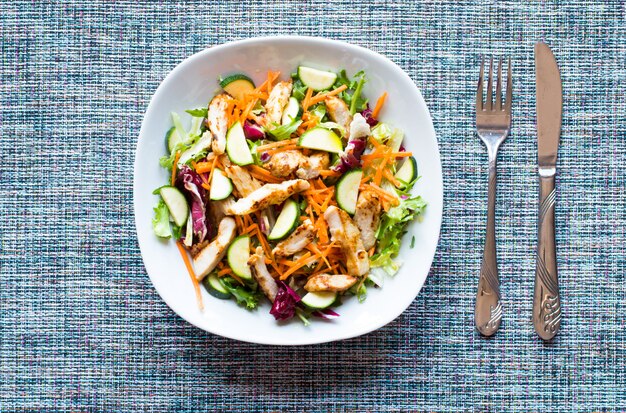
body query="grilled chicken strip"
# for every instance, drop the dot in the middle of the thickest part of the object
(262, 276)
(268, 194)
(299, 238)
(276, 102)
(367, 217)
(244, 183)
(313, 165)
(219, 209)
(212, 254)
(217, 120)
(330, 282)
(283, 164)
(339, 112)
(343, 230)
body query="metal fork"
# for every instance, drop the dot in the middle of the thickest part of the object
(493, 124)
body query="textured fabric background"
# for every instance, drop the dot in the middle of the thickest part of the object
(82, 329)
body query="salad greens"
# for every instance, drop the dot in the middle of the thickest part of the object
(349, 141)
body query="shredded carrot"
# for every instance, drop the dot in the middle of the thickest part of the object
(213, 166)
(372, 251)
(301, 262)
(271, 77)
(194, 280)
(176, 158)
(276, 144)
(378, 176)
(281, 149)
(206, 186)
(321, 96)
(311, 247)
(203, 167)
(328, 172)
(265, 178)
(264, 173)
(384, 194)
(223, 272)
(305, 101)
(391, 178)
(239, 223)
(379, 105)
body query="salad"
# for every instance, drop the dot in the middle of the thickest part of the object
(293, 190)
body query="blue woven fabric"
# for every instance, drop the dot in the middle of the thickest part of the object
(82, 329)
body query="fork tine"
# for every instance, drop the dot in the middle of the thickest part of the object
(479, 91)
(490, 87)
(509, 89)
(499, 86)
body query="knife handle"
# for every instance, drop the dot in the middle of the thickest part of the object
(488, 309)
(546, 303)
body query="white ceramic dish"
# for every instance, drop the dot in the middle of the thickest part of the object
(191, 84)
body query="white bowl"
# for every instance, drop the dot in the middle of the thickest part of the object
(191, 84)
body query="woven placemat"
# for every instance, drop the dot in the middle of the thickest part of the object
(82, 329)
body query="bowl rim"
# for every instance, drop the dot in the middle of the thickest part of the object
(438, 213)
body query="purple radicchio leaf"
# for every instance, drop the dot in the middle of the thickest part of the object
(367, 114)
(326, 313)
(351, 158)
(284, 306)
(265, 157)
(190, 183)
(253, 131)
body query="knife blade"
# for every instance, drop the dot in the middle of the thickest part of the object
(547, 302)
(549, 106)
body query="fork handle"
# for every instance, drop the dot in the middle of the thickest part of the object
(547, 303)
(488, 310)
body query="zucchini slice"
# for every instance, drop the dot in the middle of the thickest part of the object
(215, 287)
(291, 111)
(408, 171)
(238, 255)
(237, 85)
(237, 147)
(287, 221)
(316, 79)
(176, 203)
(319, 300)
(221, 186)
(348, 190)
(321, 139)
(172, 138)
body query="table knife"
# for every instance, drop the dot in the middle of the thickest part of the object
(547, 303)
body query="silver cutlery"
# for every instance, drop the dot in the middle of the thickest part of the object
(547, 303)
(493, 124)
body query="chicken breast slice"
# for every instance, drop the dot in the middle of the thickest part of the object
(330, 282)
(262, 275)
(244, 183)
(217, 120)
(339, 112)
(268, 194)
(313, 165)
(283, 164)
(367, 217)
(348, 236)
(219, 209)
(276, 102)
(212, 254)
(299, 238)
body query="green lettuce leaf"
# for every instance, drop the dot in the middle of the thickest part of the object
(283, 132)
(390, 231)
(243, 295)
(161, 220)
(198, 113)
